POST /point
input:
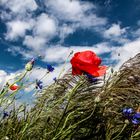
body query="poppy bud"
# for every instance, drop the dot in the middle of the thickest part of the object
(14, 87)
(29, 65)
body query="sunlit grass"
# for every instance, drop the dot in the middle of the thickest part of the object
(72, 108)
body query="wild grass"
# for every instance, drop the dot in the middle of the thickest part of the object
(72, 108)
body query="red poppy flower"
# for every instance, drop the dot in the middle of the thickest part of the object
(87, 61)
(14, 87)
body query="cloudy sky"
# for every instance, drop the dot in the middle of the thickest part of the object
(52, 28)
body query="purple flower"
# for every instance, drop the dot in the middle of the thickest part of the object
(39, 84)
(55, 79)
(5, 114)
(136, 118)
(50, 68)
(91, 78)
(127, 112)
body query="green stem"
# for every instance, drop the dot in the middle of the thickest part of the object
(18, 80)
(136, 135)
(69, 99)
(120, 131)
(63, 125)
(72, 126)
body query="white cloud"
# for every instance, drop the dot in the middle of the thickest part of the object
(19, 7)
(15, 50)
(65, 30)
(75, 11)
(126, 51)
(28, 89)
(62, 52)
(4, 77)
(45, 26)
(44, 29)
(70, 10)
(5, 15)
(56, 53)
(93, 21)
(60, 19)
(17, 29)
(35, 43)
(114, 31)
(137, 32)
(3, 74)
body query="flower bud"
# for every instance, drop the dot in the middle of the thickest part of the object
(14, 87)
(126, 121)
(97, 99)
(29, 65)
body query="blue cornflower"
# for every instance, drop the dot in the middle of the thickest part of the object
(127, 112)
(5, 114)
(50, 68)
(91, 78)
(55, 79)
(39, 84)
(136, 118)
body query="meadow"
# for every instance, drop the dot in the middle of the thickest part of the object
(77, 105)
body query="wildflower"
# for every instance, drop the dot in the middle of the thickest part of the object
(50, 68)
(87, 61)
(91, 78)
(54, 79)
(127, 112)
(136, 118)
(39, 84)
(5, 114)
(14, 87)
(30, 65)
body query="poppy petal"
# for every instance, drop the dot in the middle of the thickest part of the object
(87, 61)
(101, 71)
(76, 71)
(14, 87)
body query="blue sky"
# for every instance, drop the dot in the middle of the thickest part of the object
(52, 28)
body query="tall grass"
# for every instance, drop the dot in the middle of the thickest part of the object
(73, 108)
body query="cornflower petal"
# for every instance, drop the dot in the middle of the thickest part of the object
(5, 114)
(55, 79)
(39, 84)
(136, 118)
(91, 78)
(50, 68)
